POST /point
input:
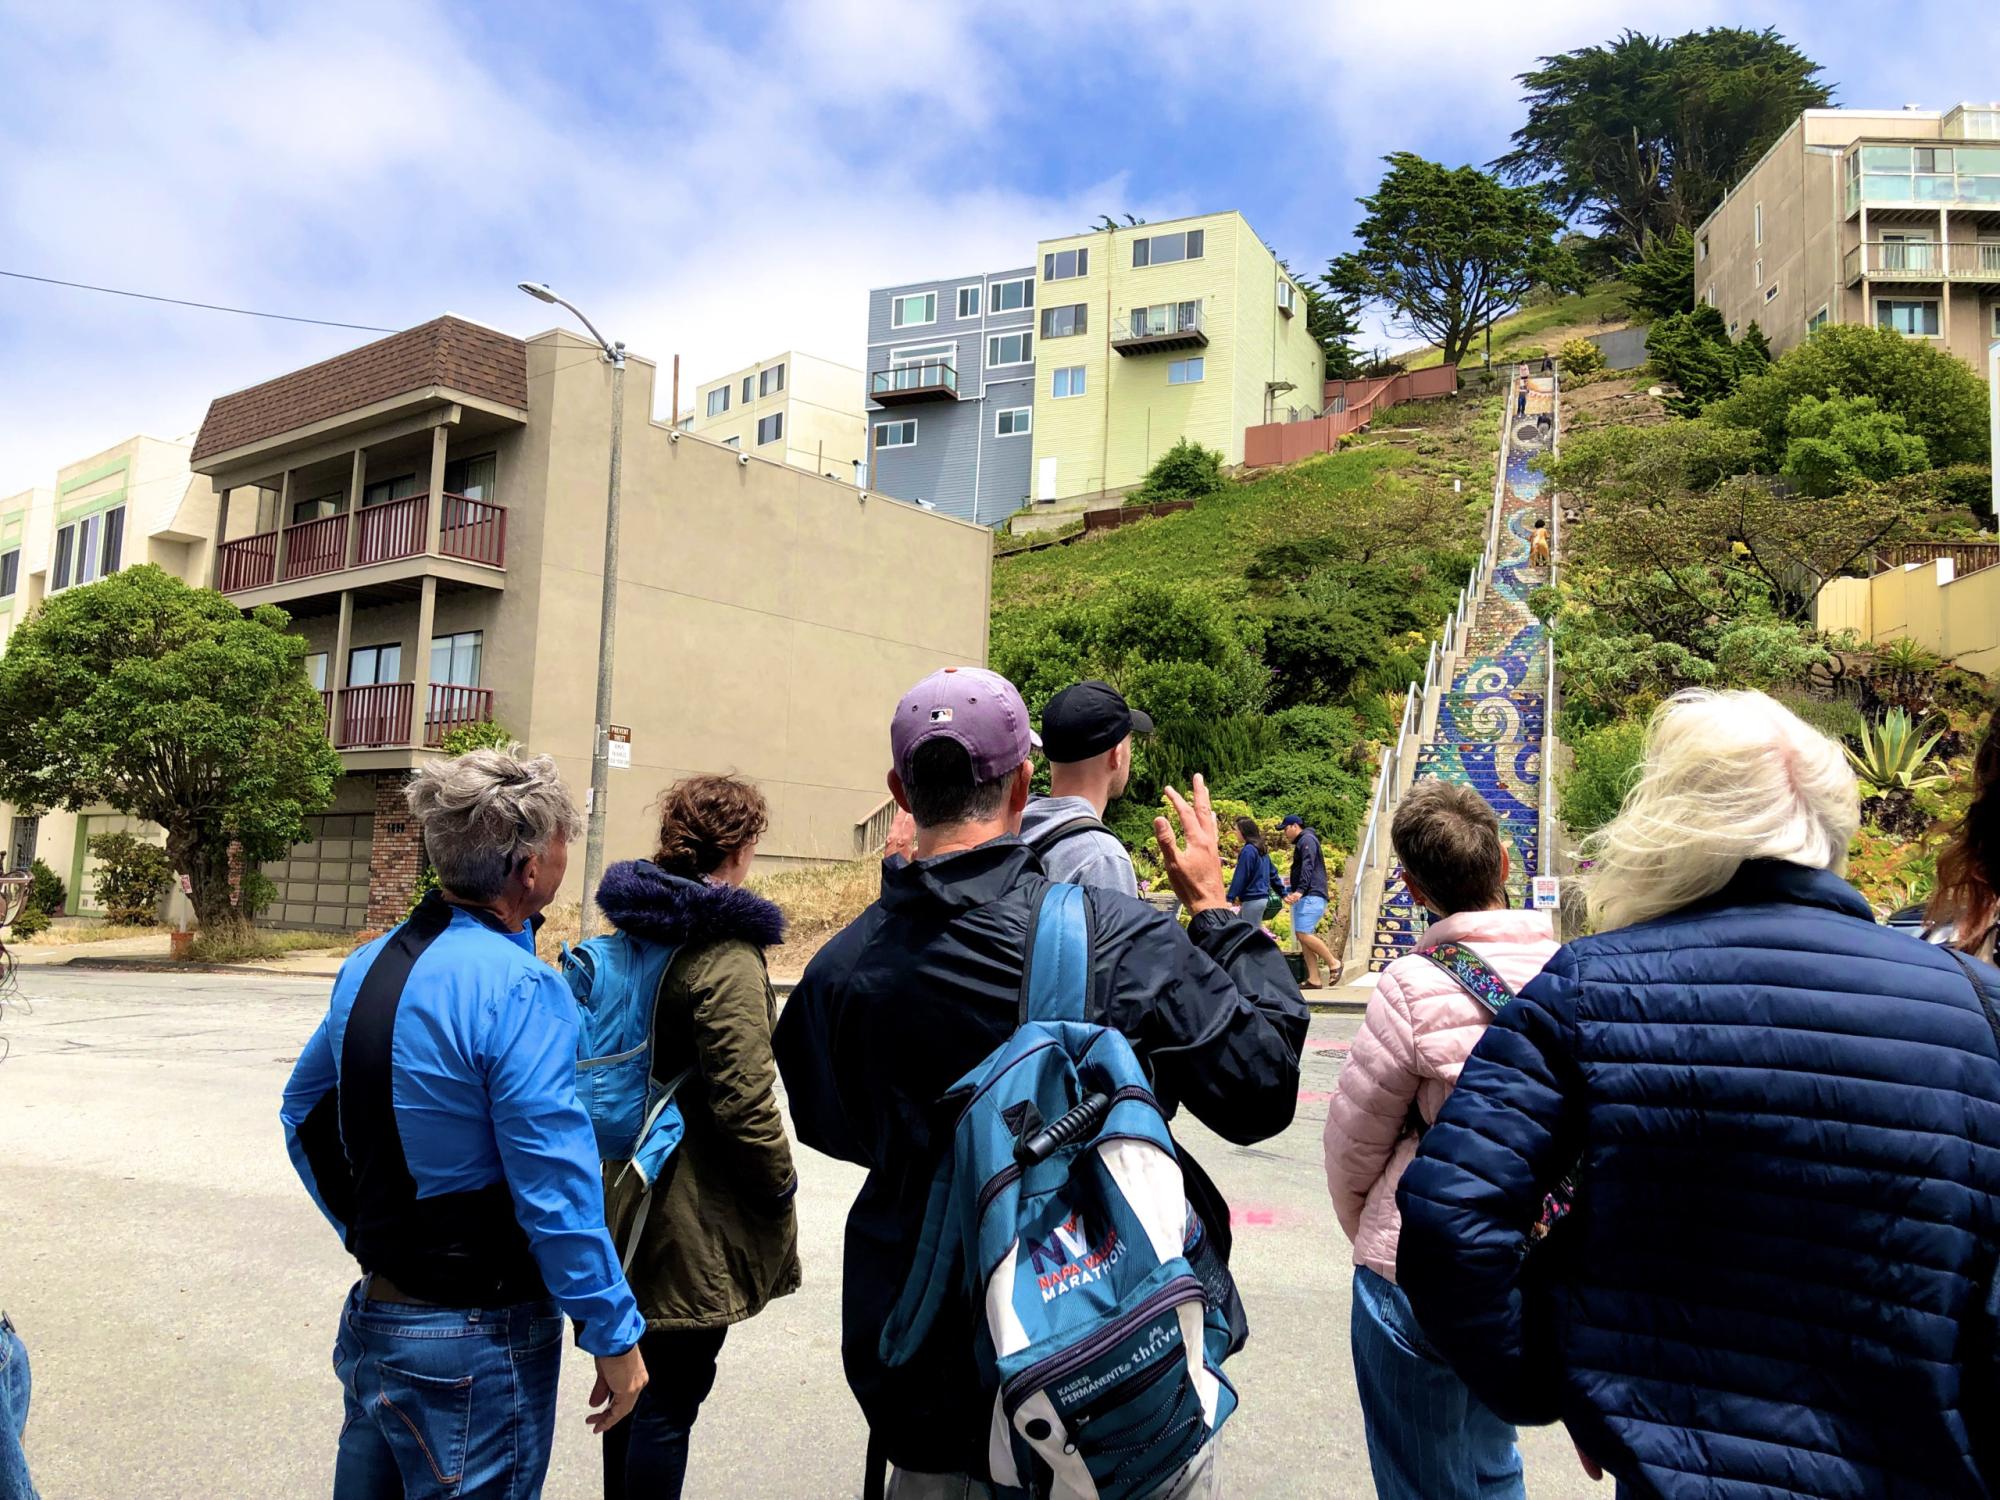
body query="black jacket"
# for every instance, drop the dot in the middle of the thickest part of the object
(916, 992)
(1308, 865)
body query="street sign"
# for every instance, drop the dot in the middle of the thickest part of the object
(1545, 894)
(618, 746)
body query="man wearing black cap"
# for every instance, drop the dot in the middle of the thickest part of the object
(1087, 735)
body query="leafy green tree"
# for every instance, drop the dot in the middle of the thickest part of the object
(1445, 250)
(1753, 352)
(1692, 351)
(1662, 277)
(169, 704)
(132, 876)
(1185, 470)
(1604, 762)
(1643, 134)
(1831, 443)
(1936, 394)
(1333, 318)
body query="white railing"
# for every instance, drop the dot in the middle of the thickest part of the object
(1365, 858)
(1545, 857)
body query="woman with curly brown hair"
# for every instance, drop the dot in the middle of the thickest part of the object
(719, 1239)
(1965, 911)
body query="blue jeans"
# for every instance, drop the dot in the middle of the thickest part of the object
(445, 1403)
(1307, 913)
(646, 1455)
(1429, 1437)
(14, 1386)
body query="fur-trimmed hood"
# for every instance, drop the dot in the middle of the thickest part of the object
(638, 897)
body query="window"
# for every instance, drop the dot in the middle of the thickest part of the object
(1701, 248)
(471, 477)
(1013, 421)
(896, 434)
(917, 307)
(1757, 269)
(1065, 265)
(1757, 224)
(315, 510)
(1067, 382)
(771, 381)
(771, 428)
(735, 441)
(968, 302)
(749, 383)
(1166, 317)
(718, 401)
(88, 549)
(455, 658)
(1009, 349)
(1184, 371)
(316, 670)
(384, 490)
(923, 354)
(1770, 291)
(8, 576)
(1916, 318)
(1162, 249)
(1933, 158)
(10, 573)
(1907, 251)
(1010, 296)
(1061, 322)
(1288, 297)
(1734, 324)
(1818, 319)
(370, 666)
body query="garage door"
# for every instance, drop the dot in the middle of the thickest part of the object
(324, 884)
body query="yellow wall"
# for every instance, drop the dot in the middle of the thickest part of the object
(1958, 618)
(821, 403)
(1129, 414)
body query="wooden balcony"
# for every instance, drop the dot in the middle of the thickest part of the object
(469, 530)
(933, 381)
(247, 563)
(377, 717)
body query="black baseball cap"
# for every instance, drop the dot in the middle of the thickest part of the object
(1088, 719)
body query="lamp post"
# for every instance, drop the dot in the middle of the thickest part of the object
(600, 765)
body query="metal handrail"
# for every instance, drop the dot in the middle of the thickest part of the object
(1545, 857)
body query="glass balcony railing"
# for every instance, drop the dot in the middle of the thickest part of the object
(907, 380)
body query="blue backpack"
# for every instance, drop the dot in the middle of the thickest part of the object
(616, 979)
(1060, 1213)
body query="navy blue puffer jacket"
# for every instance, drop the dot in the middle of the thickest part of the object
(1778, 1277)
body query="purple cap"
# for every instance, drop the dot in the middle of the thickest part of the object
(981, 710)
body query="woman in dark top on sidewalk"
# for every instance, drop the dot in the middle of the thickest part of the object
(1256, 878)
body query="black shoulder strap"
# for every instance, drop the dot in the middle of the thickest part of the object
(1048, 838)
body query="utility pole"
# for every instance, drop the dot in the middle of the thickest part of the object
(600, 763)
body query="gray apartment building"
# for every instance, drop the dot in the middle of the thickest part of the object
(951, 392)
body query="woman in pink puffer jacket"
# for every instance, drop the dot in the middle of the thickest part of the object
(1429, 1438)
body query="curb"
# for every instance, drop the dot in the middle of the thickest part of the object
(171, 966)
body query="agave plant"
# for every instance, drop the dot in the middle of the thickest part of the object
(1892, 758)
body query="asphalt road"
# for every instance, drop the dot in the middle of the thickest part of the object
(178, 1291)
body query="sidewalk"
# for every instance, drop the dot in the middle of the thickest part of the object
(150, 952)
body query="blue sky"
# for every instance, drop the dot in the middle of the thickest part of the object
(723, 182)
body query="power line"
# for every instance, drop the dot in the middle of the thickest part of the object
(243, 312)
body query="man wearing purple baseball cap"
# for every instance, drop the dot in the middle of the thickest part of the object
(922, 986)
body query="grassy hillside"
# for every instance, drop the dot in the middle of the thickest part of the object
(1535, 331)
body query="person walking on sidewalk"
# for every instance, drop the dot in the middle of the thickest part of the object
(1256, 879)
(434, 1119)
(927, 982)
(1307, 899)
(1087, 736)
(1429, 1437)
(720, 1239)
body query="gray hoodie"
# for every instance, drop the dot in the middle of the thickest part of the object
(1090, 858)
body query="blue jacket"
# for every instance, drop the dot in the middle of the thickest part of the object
(1308, 865)
(483, 1081)
(1255, 876)
(1778, 1275)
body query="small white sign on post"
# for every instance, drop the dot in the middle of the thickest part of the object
(1545, 893)
(618, 747)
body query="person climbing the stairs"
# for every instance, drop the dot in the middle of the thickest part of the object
(1538, 545)
(1307, 899)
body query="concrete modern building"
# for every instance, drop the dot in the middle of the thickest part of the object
(136, 502)
(1188, 328)
(951, 379)
(1883, 217)
(795, 408)
(439, 541)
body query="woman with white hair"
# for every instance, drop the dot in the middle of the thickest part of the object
(434, 1119)
(1775, 1128)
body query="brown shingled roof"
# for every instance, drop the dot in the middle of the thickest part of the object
(446, 352)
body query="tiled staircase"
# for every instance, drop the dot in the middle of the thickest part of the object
(1490, 715)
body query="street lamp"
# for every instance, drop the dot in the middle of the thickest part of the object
(600, 765)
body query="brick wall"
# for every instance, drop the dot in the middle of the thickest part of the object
(396, 857)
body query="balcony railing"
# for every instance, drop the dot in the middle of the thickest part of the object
(378, 716)
(470, 530)
(1924, 190)
(1154, 329)
(1923, 260)
(919, 382)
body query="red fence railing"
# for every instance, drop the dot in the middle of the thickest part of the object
(474, 530)
(377, 715)
(453, 707)
(1358, 402)
(248, 563)
(316, 547)
(393, 529)
(1966, 557)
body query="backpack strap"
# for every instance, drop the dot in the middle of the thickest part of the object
(1055, 985)
(1472, 974)
(1048, 838)
(1979, 991)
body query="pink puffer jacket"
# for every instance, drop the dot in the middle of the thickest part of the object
(1420, 1028)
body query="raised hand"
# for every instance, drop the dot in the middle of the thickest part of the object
(1194, 862)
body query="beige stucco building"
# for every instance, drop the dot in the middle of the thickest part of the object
(438, 539)
(795, 408)
(1884, 217)
(136, 502)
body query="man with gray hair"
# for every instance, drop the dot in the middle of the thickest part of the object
(434, 1119)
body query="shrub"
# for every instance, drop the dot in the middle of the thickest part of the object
(1185, 470)
(1835, 718)
(1604, 763)
(32, 920)
(256, 894)
(47, 894)
(132, 876)
(1580, 359)
(1327, 795)
(1892, 758)
(476, 736)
